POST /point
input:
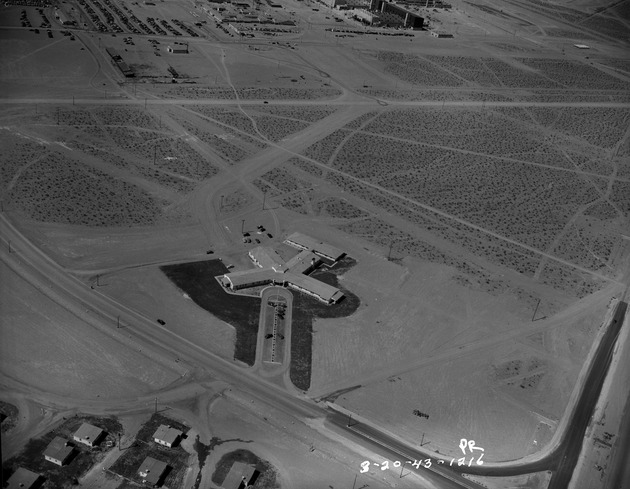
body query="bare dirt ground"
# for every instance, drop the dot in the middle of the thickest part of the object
(481, 182)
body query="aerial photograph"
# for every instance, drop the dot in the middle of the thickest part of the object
(315, 244)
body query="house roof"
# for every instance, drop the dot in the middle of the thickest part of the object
(302, 261)
(304, 241)
(256, 275)
(22, 478)
(167, 434)
(234, 479)
(267, 258)
(153, 469)
(88, 432)
(57, 449)
(325, 291)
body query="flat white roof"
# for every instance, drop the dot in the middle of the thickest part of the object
(88, 431)
(267, 257)
(314, 245)
(302, 261)
(253, 276)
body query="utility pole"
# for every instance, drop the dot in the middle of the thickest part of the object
(10, 251)
(118, 324)
(264, 196)
(535, 311)
(156, 405)
(242, 226)
(119, 442)
(57, 115)
(154, 153)
(355, 481)
(97, 281)
(389, 253)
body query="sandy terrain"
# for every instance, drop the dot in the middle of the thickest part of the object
(481, 183)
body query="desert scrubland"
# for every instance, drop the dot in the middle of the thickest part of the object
(479, 185)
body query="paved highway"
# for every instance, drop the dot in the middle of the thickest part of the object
(561, 460)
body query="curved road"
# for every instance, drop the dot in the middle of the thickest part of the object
(561, 460)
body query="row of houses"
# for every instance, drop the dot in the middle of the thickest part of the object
(152, 471)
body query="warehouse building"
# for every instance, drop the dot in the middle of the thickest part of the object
(177, 48)
(395, 15)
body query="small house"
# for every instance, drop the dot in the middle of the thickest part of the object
(167, 436)
(88, 434)
(58, 451)
(23, 479)
(152, 471)
(240, 476)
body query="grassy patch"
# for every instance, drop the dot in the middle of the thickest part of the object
(8, 414)
(266, 479)
(197, 280)
(84, 457)
(305, 308)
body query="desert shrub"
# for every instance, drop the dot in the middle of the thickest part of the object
(573, 74)
(61, 190)
(275, 128)
(416, 70)
(298, 112)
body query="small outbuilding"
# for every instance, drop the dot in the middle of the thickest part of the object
(167, 436)
(152, 471)
(240, 476)
(88, 434)
(58, 451)
(23, 479)
(442, 34)
(177, 48)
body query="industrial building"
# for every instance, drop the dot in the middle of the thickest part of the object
(273, 270)
(119, 62)
(395, 15)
